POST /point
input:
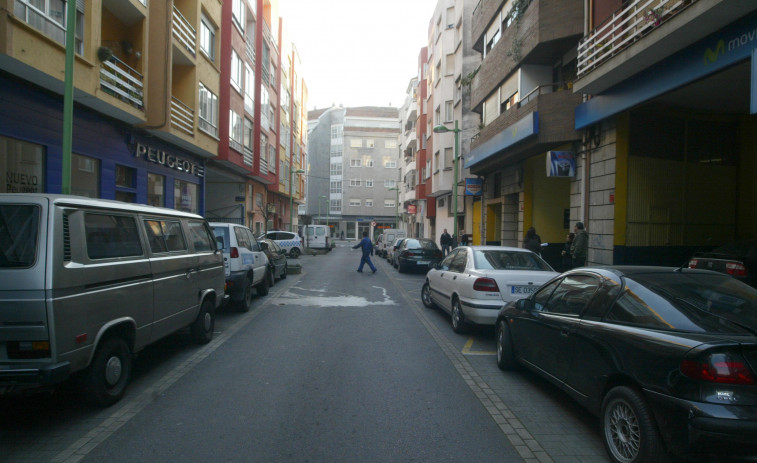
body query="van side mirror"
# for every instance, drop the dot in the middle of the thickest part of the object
(525, 305)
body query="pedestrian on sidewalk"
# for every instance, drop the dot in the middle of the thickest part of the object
(567, 260)
(367, 246)
(579, 250)
(445, 241)
(532, 242)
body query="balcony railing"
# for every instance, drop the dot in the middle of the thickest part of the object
(623, 28)
(542, 90)
(182, 117)
(249, 47)
(248, 156)
(123, 82)
(183, 31)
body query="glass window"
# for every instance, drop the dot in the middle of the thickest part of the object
(458, 265)
(110, 236)
(207, 38)
(243, 239)
(236, 131)
(185, 196)
(156, 185)
(254, 246)
(19, 226)
(508, 260)
(369, 183)
(447, 262)
(208, 111)
(237, 11)
(388, 203)
(356, 163)
(368, 203)
(236, 71)
(573, 295)
(248, 135)
(21, 167)
(125, 176)
(222, 232)
(356, 143)
(200, 237)
(165, 236)
(542, 295)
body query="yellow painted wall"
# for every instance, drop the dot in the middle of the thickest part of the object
(545, 200)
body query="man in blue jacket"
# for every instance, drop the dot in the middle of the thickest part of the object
(367, 246)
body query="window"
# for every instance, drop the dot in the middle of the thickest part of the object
(369, 143)
(49, 17)
(336, 168)
(85, 176)
(200, 237)
(208, 111)
(156, 190)
(356, 143)
(448, 158)
(388, 203)
(126, 178)
(207, 38)
(236, 71)
(110, 236)
(390, 183)
(369, 162)
(368, 203)
(336, 187)
(18, 242)
(248, 137)
(392, 144)
(369, 183)
(448, 112)
(272, 158)
(354, 182)
(355, 163)
(390, 163)
(573, 294)
(249, 89)
(236, 131)
(354, 202)
(185, 196)
(336, 151)
(337, 132)
(237, 13)
(335, 205)
(22, 168)
(449, 65)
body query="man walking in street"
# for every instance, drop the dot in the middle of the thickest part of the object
(367, 246)
(445, 241)
(579, 250)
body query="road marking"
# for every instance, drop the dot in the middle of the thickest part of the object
(466, 349)
(303, 296)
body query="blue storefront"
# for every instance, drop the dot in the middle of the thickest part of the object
(110, 159)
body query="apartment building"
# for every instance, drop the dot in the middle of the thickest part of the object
(409, 171)
(353, 169)
(669, 145)
(451, 60)
(135, 133)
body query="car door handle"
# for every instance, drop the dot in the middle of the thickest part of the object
(564, 332)
(454, 277)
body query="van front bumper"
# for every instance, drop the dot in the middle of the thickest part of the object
(29, 374)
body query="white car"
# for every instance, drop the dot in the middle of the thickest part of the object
(473, 282)
(246, 263)
(288, 241)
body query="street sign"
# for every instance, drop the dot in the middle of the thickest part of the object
(373, 224)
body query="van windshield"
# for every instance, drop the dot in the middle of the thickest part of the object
(19, 226)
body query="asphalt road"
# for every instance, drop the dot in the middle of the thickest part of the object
(331, 366)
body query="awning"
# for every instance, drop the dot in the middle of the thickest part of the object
(524, 128)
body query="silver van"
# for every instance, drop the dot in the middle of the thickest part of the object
(86, 283)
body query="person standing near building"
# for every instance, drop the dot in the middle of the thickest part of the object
(445, 241)
(367, 246)
(532, 242)
(579, 250)
(567, 260)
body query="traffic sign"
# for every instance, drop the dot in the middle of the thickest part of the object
(373, 224)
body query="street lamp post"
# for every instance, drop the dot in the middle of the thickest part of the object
(396, 206)
(456, 130)
(291, 197)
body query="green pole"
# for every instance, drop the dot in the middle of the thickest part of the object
(68, 98)
(454, 182)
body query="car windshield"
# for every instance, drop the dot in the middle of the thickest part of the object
(420, 244)
(18, 235)
(696, 302)
(498, 259)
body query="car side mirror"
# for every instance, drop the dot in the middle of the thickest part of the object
(525, 305)
(263, 246)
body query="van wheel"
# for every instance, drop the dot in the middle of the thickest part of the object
(106, 378)
(294, 253)
(203, 326)
(263, 286)
(246, 302)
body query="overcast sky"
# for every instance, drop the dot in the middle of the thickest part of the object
(357, 52)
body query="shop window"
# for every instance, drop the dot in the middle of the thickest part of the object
(126, 179)
(185, 196)
(156, 185)
(85, 176)
(21, 166)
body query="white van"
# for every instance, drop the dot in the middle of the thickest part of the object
(383, 245)
(86, 283)
(317, 237)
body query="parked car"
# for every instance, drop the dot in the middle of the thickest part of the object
(473, 282)
(417, 254)
(666, 357)
(737, 259)
(288, 241)
(277, 258)
(246, 263)
(87, 283)
(391, 256)
(386, 238)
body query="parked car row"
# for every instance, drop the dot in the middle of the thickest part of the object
(665, 357)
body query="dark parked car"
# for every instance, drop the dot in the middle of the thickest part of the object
(418, 253)
(277, 258)
(667, 358)
(736, 259)
(392, 251)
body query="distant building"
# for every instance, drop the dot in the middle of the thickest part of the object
(353, 169)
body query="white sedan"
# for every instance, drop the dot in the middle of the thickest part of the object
(473, 282)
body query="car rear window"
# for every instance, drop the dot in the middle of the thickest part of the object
(496, 259)
(692, 302)
(420, 244)
(19, 227)
(222, 232)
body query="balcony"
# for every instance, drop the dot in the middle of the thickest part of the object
(182, 118)
(645, 32)
(497, 144)
(123, 82)
(184, 32)
(250, 50)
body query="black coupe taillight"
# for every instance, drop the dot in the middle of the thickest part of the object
(721, 368)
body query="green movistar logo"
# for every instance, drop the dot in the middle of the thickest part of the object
(711, 56)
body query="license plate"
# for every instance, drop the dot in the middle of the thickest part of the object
(523, 289)
(423, 262)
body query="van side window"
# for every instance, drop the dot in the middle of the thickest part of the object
(18, 235)
(200, 237)
(165, 235)
(110, 236)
